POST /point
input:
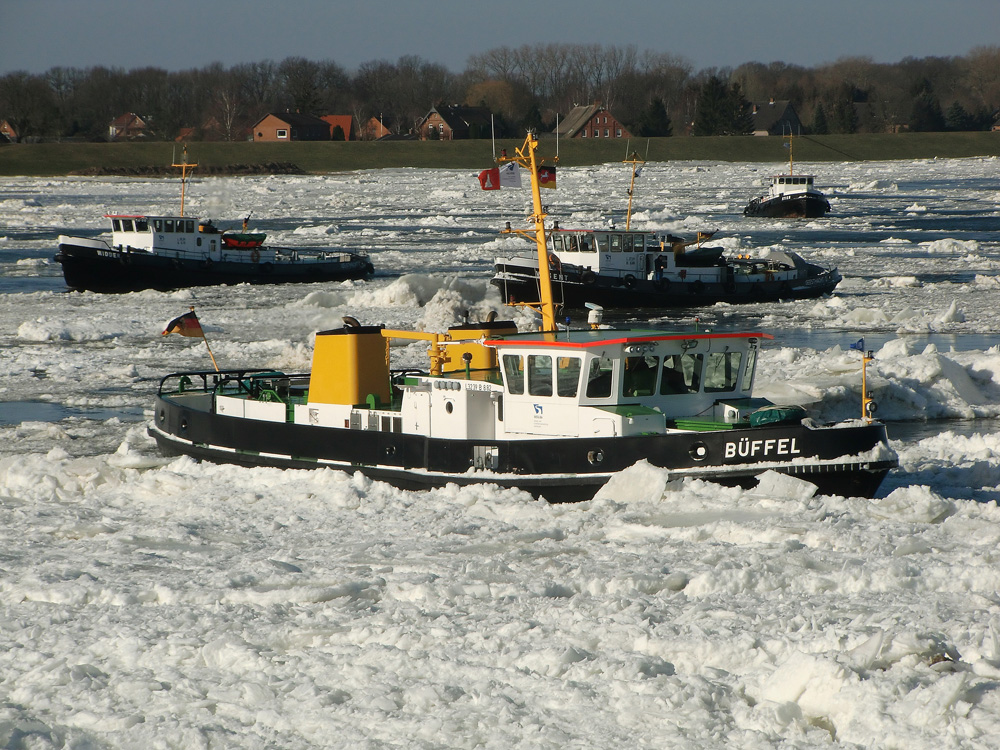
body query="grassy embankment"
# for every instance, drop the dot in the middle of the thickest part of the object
(49, 159)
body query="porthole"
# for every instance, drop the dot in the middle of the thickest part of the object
(698, 451)
(449, 406)
(595, 457)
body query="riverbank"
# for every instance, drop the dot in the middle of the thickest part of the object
(51, 159)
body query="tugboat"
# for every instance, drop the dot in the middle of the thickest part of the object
(790, 196)
(630, 269)
(554, 412)
(176, 252)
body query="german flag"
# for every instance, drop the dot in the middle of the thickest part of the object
(186, 325)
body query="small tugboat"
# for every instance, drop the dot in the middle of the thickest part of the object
(629, 269)
(176, 252)
(789, 196)
(554, 412)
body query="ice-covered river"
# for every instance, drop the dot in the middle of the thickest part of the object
(154, 603)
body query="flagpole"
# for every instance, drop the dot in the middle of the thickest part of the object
(203, 338)
(214, 363)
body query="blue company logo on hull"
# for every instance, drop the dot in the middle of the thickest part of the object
(747, 448)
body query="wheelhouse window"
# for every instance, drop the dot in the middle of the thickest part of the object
(513, 372)
(157, 225)
(168, 225)
(142, 225)
(748, 373)
(722, 371)
(599, 377)
(639, 378)
(127, 225)
(602, 242)
(681, 373)
(189, 226)
(539, 375)
(568, 376)
(616, 243)
(116, 225)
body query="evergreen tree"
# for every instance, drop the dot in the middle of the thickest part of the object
(926, 115)
(654, 122)
(337, 134)
(957, 118)
(844, 117)
(820, 126)
(741, 112)
(710, 116)
(722, 110)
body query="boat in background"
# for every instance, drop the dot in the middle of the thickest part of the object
(789, 196)
(632, 269)
(555, 412)
(176, 252)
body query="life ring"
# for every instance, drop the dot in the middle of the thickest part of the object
(588, 277)
(555, 263)
(698, 287)
(629, 281)
(255, 255)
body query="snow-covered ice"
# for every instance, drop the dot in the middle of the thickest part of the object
(149, 602)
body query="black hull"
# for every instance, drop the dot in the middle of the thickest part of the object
(108, 270)
(560, 470)
(802, 207)
(575, 290)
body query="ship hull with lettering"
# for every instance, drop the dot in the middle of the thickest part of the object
(849, 461)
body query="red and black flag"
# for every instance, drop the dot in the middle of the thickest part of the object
(186, 325)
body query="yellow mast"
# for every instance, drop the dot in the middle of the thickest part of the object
(184, 167)
(525, 157)
(633, 160)
(791, 170)
(867, 403)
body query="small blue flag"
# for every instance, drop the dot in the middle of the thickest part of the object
(859, 345)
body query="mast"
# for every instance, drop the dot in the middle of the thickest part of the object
(634, 160)
(184, 167)
(525, 157)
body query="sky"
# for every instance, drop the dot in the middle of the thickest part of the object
(185, 34)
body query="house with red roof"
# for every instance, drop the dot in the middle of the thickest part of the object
(128, 127)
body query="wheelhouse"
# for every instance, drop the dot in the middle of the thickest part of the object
(594, 382)
(626, 252)
(787, 184)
